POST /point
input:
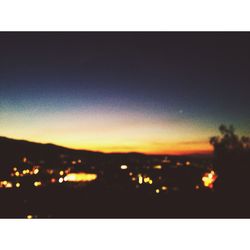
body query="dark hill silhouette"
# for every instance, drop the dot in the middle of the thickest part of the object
(13, 150)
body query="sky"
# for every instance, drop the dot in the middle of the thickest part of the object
(164, 93)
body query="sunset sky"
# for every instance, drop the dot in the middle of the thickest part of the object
(122, 92)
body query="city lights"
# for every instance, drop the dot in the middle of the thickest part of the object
(37, 183)
(36, 171)
(53, 180)
(209, 179)
(133, 178)
(123, 167)
(79, 177)
(60, 180)
(140, 179)
(148, 180)
(157, 167)
(9, 185)
(26, 171)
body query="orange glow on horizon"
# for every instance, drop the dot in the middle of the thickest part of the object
(169, 148)
(113, 129)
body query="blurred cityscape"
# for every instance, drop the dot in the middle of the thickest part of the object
(97, 173)
(48, 181)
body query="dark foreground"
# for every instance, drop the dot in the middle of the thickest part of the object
(86, 203)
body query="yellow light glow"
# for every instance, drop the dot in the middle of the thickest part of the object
(140, 179)
(24, 159)
(150, 182)
(8, 185)
(157, 167)
(188, 163)
(209, 179)
(18, 184)
(79, 161)
(14, 169)
(123, 167)
(37, 183)
(73, 162)
(61, 173)
(130, 174)
(25, 171)
(17, 173)
(164, 188)
(29, 216)
(36, 171)
(80, 177)
(157, 191)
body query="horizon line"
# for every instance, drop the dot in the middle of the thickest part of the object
(178, 153)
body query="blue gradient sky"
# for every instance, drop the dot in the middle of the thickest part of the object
(147, 92)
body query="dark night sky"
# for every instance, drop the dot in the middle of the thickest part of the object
(150, 92)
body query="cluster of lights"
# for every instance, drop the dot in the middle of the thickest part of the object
(163, 188)
(63, 175)
(209, 179)
(144, 179)
(24, 172)
(5, 184)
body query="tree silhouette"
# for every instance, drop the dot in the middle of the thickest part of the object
(231, 157)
